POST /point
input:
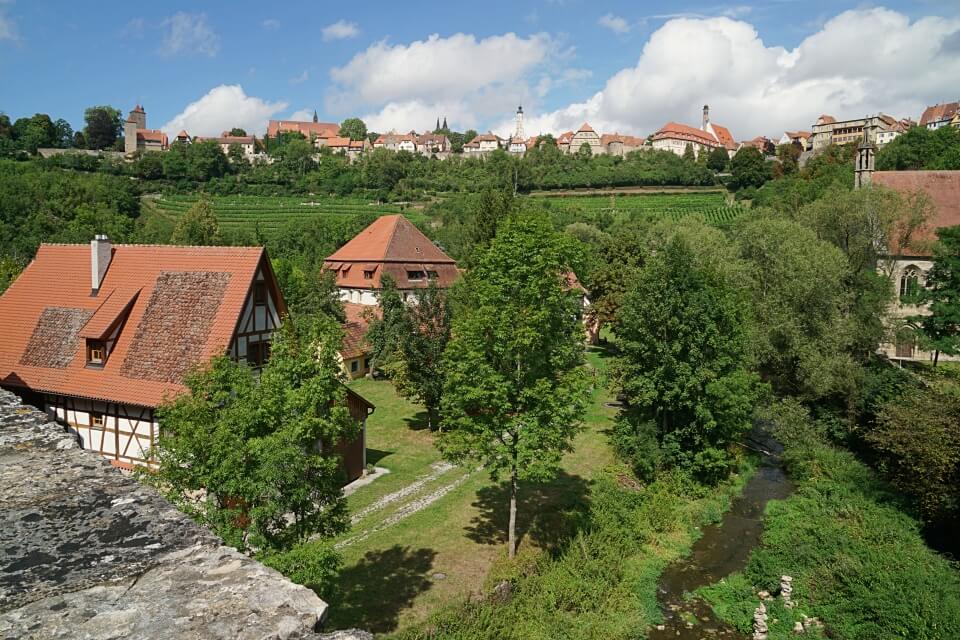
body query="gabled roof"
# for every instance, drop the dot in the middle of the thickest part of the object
(565, 137)
(390, 239)
(392, 246)
(585, 127)
(723, 136)
(939, 112)
(355, 328)
(152, 135)
(943, 189)
(825, 119)
(186, 311)
(317, 129)
(679, 131)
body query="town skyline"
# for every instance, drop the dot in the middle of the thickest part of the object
(762, 69)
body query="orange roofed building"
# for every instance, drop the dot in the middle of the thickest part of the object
(101, 335)
(392, 246)
(676, 137)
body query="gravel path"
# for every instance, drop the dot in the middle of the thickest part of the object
(439, 468)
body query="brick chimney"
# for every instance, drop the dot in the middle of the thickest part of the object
(101, 250)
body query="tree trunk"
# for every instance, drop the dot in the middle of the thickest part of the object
(512, 533)
(936, 357)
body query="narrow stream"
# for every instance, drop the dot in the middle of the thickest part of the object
(722, 550)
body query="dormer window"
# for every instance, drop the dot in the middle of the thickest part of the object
(367, 274)
(96, 353)
(415, 275)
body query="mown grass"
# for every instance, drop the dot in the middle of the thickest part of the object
(858, 561)
(395, 577)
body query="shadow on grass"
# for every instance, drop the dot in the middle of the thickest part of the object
(376, 455)
(548, 513)
(417, 421)
(374, 591)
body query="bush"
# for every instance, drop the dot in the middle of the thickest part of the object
(313, 564)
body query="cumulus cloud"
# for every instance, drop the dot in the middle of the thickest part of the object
(860, 62)
(189, 33)
(426, 79)
(614, 23)
(271, 24)
(302, 115)
(340, 30)
(133, 29)
(221, 109)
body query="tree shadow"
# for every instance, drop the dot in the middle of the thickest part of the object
(374, 591)
(548, 513)
(376, 455)
(418, 421)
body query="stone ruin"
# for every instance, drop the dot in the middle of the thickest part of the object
(86, 551)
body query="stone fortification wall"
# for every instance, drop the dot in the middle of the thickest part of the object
(87, 552)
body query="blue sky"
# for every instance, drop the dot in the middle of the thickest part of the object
(626, 66)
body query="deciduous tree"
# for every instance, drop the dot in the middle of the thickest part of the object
(941, 327)
(198, 226)
(514, 390)
(102, 126)
(353, 128)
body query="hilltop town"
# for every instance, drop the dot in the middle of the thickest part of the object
(318, 381)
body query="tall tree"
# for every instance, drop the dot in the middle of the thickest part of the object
(718, 159)
(417, 368)
(102, 126)
(748, 168)
(941, 327)
(689, 154)
(238, 132)
(515, 390)
(683, 367)
(255, 447)
(385, 331)
(198, 226)
(353, 128)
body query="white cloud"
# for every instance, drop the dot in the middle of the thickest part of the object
(133, 28)
(300, 79)
(221, 109)
(861, 61)
(8, 29)
(271, 24)
(614, 23)
(340, 30)
(189, 33)
(302, 115)
(427, 78)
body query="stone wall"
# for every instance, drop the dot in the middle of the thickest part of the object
(87, 552)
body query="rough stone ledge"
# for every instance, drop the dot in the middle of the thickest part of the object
(87, 552)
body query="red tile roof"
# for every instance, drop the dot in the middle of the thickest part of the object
(585, 127)
(565, 137)
(825, 119)
(943, 188)
(308, 129)
(355, 328)
(338, 142)
(939, 112)
(685, 132)
(723, 135)
(190, 298)
(152, 135)
(391, 245)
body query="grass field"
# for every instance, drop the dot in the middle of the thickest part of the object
(712, 205)
(399, 569)
(271, 213)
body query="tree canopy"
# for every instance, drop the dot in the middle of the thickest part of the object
(353, 128)
(103, 126)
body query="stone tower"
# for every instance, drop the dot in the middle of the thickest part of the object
(519, 131)
(866, 154)
(137, 119)
(139, 116)
(706, 117)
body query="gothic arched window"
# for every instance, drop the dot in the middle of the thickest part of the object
(909, 283)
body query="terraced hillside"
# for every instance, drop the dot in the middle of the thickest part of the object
(712, 205)
(273, 213)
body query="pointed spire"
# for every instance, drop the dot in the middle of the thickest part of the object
(444, 123)
(437, 128)
(315, 119)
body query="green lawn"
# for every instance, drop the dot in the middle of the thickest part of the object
(396, 574)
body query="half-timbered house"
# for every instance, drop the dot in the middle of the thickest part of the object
(101, 335)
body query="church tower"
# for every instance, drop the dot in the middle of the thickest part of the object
(866, 154)
(706, 117)
(315, 115)
(518, 134)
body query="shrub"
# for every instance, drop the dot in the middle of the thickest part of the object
(313, 564)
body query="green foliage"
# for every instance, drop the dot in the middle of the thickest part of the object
(417, 366)
(353, 128)
(386, 331)
(917, 438)
(515, 391)
(718, 159)
(921, 148)
(314, 564)
(748, 168)
(603, 582)
(858, 562)
(688, 153)
(683, 365)
(238, 132)
(9, 270)
(831, 168)
(941, 327)
(103, 127)
(261, 450)
(197, 227)
(789, 156)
